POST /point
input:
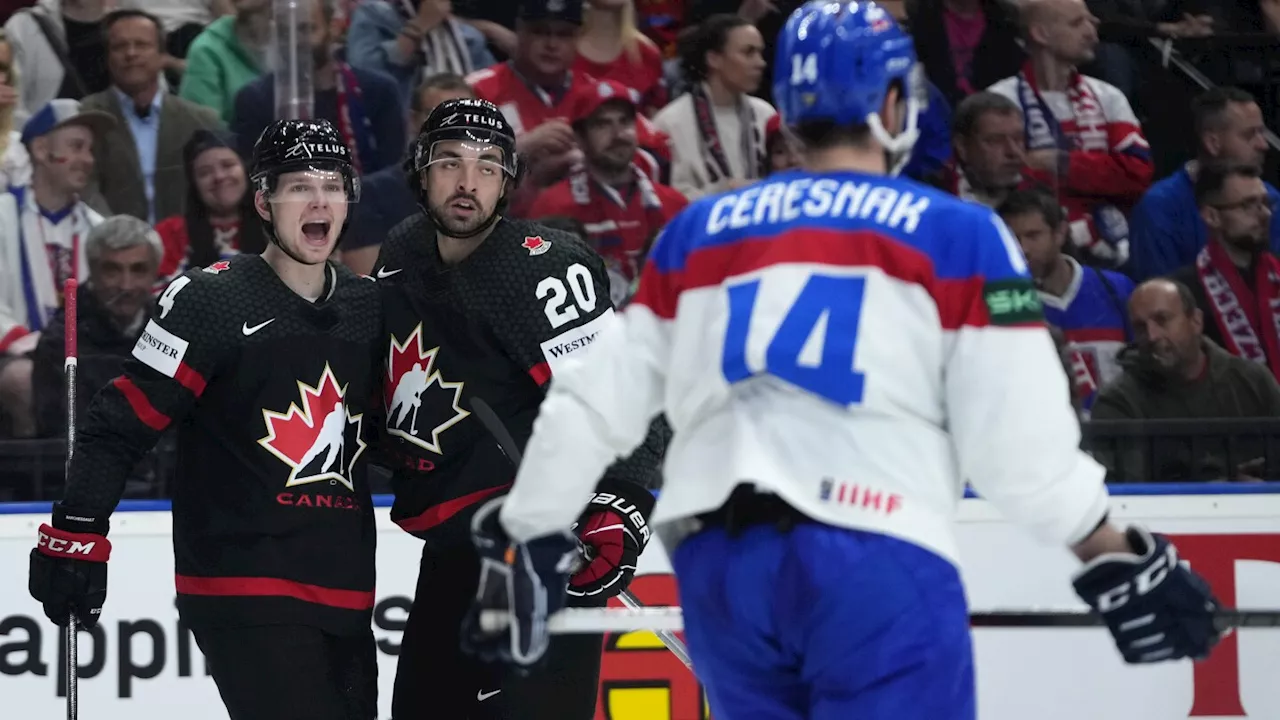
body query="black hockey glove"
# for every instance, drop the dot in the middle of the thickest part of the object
(521, 586)
(69, 566)
(1156, 607)
(613, 533)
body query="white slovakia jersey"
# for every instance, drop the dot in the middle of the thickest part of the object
(860, 345)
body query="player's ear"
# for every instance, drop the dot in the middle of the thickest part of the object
(260, 204)
(893, 114)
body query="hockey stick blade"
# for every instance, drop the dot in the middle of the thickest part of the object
(671, 619)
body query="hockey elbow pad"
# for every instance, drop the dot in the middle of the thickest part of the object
(613, 531)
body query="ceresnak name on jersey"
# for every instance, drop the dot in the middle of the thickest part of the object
(822, 198)
(559, 348)
(160, 349)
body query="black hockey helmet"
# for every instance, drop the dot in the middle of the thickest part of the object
(300, 145)
(468, 120)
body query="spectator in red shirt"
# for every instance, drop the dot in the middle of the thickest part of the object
(611, 48)
(621, 208)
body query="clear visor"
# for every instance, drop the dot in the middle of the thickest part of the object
(315, 186)
(458, 156)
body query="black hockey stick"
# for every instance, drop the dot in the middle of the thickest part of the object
(507, 444)
(72, 631)
(1081, 619)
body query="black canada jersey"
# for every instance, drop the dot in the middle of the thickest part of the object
(495, 327)
(269, 394)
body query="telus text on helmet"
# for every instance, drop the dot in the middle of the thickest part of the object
(309, 149)
(471, 119)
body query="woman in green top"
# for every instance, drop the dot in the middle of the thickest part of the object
(229, 53)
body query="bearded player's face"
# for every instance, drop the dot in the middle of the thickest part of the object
(308, 210)
(464, 182)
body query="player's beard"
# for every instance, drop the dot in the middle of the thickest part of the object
(452, 225)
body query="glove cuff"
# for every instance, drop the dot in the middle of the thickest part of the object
(632, 502)
(88, 547)
(80, 520)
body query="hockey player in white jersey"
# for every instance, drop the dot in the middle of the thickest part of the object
(838, 351)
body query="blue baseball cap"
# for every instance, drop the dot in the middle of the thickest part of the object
(63, 112)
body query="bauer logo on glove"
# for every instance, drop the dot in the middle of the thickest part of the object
(613, 533)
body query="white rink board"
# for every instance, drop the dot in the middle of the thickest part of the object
(1022, 674)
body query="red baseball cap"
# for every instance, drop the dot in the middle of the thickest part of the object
(597, 93)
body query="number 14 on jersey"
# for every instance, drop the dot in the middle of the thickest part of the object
(811, 348)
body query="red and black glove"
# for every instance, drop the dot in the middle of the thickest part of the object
(613, 531)
(69, 566)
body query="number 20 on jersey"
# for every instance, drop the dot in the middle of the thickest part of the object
(821, 325)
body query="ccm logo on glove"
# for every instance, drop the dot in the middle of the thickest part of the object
(76, 546)
(627, 509)
(1144, 582)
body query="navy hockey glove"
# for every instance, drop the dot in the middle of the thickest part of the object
(69, 566)
(522, 581)
(1156, 607)
(613, 533)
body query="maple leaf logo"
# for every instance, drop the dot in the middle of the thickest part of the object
(535, 245)
(316, 440)
(414, 413)
(218, 267)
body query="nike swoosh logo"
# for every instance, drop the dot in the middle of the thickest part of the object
(383, 272)
(251, 330)
(482, 696)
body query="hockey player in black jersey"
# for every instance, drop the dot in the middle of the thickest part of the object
(483, 307)
(264, 364)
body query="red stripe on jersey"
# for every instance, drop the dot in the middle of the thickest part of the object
(445, 510)
(142, 407)
(540, 373)
(1094, 335)
(273, 587)
(959, 300)
(11, 336)
(190, 379)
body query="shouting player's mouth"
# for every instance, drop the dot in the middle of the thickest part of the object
(316, 232)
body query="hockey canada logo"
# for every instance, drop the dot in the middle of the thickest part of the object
(318, 440)
(218, 267)
(420, 403)
(536, 245)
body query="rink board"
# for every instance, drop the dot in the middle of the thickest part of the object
(141, 667)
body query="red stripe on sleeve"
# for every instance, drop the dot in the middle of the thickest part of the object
(960, 303)
(437, 514)
(659, 291)
(190, 379)
(540, 373)
(142, 407)
(273, 587)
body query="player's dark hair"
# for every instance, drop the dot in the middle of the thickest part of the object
(971, 110)
(822, 134)
(1021, 202)
(1211, 178)
(1208, 107)
(201, 249)
(696, 41)
(439, 81)
(115, 16)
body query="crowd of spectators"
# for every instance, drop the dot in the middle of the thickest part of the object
(125, 128)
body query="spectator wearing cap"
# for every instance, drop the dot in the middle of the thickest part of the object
(1173, 372)
(718, 128)
(364, 106)
(139, 165)
(533, 89)
(43, 227)
(615, 199)
(610, 47)
(218, 220)
(411, 40)
(112, 305)
(1167, 227)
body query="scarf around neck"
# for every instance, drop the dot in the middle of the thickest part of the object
(1249, 320)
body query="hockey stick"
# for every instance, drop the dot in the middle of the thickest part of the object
(671, 619)
(69, 368)
(507, 444)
